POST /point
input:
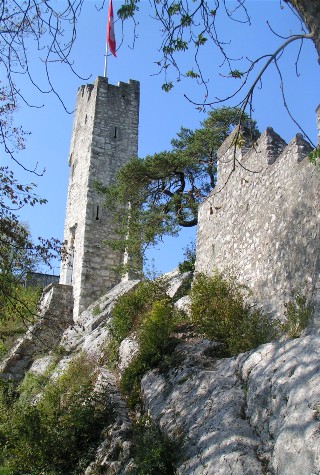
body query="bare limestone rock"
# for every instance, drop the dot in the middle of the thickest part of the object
(283, 403)
(201, 403)
(176, 281)
(90, 333)
(255, 413)
(129, 347)
(113, 456)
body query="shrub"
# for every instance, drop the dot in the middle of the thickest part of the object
(190, 259)
(154, 343)
(131, 308)
(154, 453)
(56, 431)
(297, 314)
(219, 312)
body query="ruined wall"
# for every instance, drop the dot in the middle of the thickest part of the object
(262, 221)
(54, 316)
(104, 137)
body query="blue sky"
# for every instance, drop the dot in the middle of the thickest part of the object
(161, 114)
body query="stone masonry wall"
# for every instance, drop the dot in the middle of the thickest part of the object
(104, 137)
(55, 315)
(262, 222)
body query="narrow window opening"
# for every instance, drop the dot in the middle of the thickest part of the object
(85, 120)
(211, 210)
(97, 213)
(115, 135)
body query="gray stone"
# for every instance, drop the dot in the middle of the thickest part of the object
(257, 413)
(261, 222)
(128, 349)
(41, 365)
(177, 281)
(201, 403)
(104, 138)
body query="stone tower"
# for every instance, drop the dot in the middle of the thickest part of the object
(104, 137)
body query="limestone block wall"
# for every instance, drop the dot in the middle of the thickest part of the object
(262, 221)
(104, 137)
(54, 316)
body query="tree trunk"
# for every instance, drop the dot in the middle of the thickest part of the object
(309, 12)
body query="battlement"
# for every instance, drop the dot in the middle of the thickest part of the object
(86, 89)
(262, 219)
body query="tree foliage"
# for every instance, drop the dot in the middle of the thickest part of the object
(194, 30)
(164, 190)
(189, 26)
(19, 254)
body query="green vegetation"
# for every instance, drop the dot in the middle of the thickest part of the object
(154, 453)
(189, 259)
(96, 310)
(19, 257)
(131, 308)
(52, 427)
(17, 312)
(314, 156)
(297, 314)
(219, 312)
(148, 312)
(155, 347)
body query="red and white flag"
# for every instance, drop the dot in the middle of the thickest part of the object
(111, 40)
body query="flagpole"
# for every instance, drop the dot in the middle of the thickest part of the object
(105, 61)
(110, 40)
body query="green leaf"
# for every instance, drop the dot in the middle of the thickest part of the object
(128, 10)
(186, 20)
(180, 45)
(314, 155)
(168, 49)
(201, 40)
(173, 9)
(167, 86)
(192, 74)
(236, 74)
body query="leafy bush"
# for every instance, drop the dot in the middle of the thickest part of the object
(297, 314)
(131, 308)
(155, 342)
(154, 452)
(190, 259)
(54, 432)
(219, 312)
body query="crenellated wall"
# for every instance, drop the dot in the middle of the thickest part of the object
(262, 221)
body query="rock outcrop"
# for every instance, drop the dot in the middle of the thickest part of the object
(257, 413)
(253, 414)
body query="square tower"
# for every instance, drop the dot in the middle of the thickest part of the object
(104, 138)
